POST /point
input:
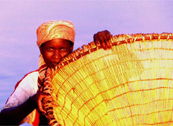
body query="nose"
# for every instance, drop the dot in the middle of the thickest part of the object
(57, 54)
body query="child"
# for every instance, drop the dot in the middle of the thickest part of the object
(55, 40)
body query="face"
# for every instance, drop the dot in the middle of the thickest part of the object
(54, 50)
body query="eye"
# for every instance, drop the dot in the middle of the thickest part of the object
(63, 49)
(50, 49)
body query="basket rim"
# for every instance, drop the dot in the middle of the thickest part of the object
(115, 41)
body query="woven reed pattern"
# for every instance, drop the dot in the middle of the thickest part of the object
(128, 85)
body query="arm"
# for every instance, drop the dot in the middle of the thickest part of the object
(15, 115)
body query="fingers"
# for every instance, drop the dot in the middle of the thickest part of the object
(38, 100)
(40, 107)
(108, 42)
(108, 39)
(103, 39)
(100, 39)
(41, 99)
(96, 40)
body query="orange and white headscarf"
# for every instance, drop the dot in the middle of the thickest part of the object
(52, 30)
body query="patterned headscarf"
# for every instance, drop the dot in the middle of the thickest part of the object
(52, 30)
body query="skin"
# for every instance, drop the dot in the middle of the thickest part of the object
(53, 52)
(103, 38)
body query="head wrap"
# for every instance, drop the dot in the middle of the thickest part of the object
(48, 31)
(55, 29)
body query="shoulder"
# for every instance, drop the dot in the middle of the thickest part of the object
(29, 80)
(31, 75)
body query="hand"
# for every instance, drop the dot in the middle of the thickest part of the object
(37, 99)
(103, 38)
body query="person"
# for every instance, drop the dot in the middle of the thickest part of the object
(55, 40)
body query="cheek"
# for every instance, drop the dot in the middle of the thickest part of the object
(47, 56)
(65, 54)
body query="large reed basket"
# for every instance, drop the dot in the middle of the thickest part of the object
(130, 84)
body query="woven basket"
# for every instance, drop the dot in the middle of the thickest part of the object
(128, 85)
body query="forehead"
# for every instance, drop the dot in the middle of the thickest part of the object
(58, 43)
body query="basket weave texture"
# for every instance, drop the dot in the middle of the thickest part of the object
(128, 85)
